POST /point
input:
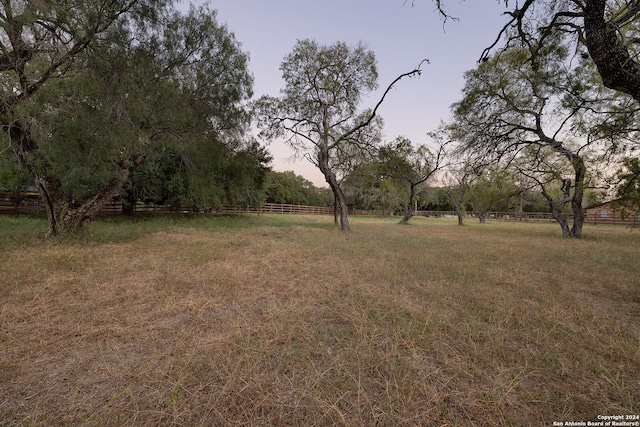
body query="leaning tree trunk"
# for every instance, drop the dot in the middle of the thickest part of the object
(80, 215)
(341, 201)
(556, 205)
(409, 210)
(62, 218)
(330, 177)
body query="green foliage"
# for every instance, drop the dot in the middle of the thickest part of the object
(629, 188)
(323, 84)
(366, 187)
(629, 176)
(494, 190)
(435, 199)
(289, 188)
(13, 176)
(170, 90)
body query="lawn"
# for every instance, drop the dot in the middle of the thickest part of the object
(285, 320)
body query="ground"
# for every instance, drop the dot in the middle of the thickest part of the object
(285, 320)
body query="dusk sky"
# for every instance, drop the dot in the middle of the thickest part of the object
(401, 35)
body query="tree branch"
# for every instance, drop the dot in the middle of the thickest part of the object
(416, 71)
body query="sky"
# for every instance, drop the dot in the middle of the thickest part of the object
(400, 33)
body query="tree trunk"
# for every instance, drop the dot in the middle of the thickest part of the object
(483, 217)
(83, 214)
(342, 201)
(129, 200)
(332, 180)
(619, 71)
(555, 206)
(578, 194)
(409, 210)
(61, 217)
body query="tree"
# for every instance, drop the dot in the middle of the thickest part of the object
(549, 172)
(492, 191)
(41, 43)
(628, 190)
(436, 199)
(459, 178)
(89, 91)
(513, 107)
(413, 166)
(318, 111)
(366, 187)
(608, 29)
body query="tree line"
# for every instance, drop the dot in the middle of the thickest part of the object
(137, 100)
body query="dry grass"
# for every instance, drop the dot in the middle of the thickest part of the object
(278, 320)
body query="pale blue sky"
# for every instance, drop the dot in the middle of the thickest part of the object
(399, 34)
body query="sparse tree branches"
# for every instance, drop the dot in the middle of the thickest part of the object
(608, 29)
(318, 112)
(413, 166)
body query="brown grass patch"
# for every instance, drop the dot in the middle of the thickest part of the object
(287, 321)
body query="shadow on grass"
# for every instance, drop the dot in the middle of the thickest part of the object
(27, 231)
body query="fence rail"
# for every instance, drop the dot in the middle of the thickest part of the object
(33, 206)
(29, 206)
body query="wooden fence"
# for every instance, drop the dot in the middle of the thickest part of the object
(30, 206)
(33, 206)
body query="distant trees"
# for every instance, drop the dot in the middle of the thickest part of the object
(458, 179)
(289, 188)
(628, 191)
(493, 191)
(318, 111)
(367, 188)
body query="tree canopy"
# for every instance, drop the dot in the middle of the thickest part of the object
(542, 117)
(90, 92)
(318, 114)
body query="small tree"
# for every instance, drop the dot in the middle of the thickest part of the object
(317, 113)
(459, 178)
(492, 191)
(410, 165)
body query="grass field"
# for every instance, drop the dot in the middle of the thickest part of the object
(285, 320)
